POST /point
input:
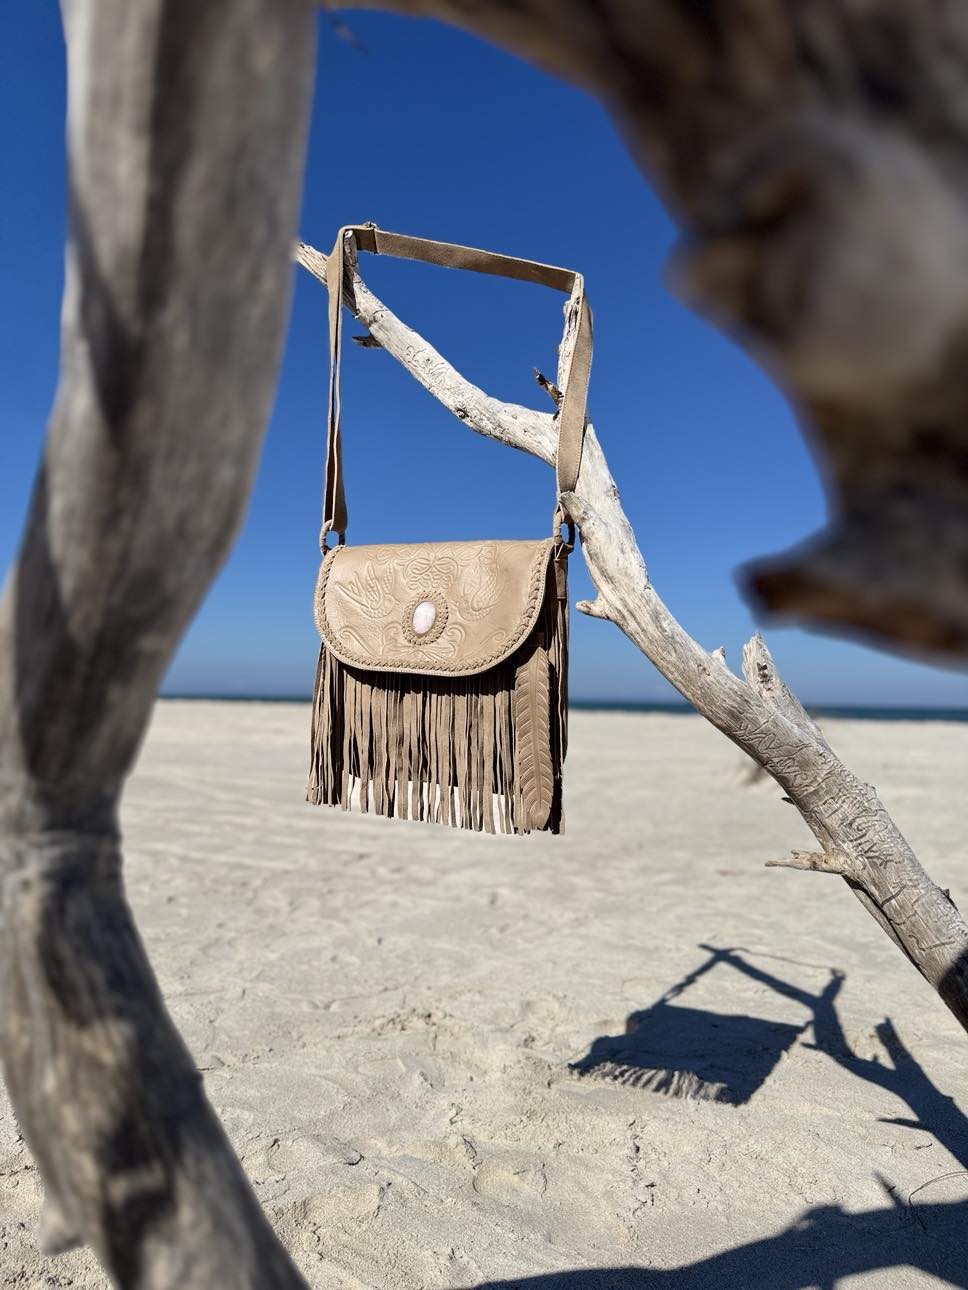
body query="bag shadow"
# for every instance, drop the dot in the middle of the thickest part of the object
(691, 1052)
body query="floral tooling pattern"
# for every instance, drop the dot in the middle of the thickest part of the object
(487, 596)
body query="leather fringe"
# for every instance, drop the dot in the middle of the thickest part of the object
(481, 752)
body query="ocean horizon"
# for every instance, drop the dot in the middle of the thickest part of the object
(848, 712)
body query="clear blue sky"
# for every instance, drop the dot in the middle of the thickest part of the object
(434, 133)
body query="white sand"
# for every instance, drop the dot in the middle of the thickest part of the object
(386, 1012)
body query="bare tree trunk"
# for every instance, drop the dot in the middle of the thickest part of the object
(858, 838)
(186, 139)
(813, 152)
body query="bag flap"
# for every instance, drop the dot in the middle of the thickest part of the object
(432, 608)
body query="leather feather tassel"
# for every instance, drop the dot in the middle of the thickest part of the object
(534, 770)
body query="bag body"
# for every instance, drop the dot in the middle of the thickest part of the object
(441, 686)
(442, 682)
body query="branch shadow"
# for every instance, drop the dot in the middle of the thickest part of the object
(680, 1051)
(815, 1253)
(691, 1052)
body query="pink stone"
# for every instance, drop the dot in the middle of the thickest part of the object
(424, 617)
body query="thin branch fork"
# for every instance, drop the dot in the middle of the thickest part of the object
(759, 713)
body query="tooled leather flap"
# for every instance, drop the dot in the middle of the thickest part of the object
(433, 608)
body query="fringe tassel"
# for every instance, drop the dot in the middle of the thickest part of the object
(482, 752)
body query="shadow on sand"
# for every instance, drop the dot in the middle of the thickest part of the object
(685, 1051)
(692, 1052)
(822, 1247)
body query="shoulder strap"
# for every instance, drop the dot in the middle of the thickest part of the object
(571, 414)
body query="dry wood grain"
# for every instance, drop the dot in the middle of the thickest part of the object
(186, 134)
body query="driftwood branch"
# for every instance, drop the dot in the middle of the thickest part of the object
(759, 714)
(813, 155)
(186, 137)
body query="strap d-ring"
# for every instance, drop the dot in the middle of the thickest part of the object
(559, 519)
(324, 534)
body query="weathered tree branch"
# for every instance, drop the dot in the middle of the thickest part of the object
(814, 155)
(762, 716)
(186, 139)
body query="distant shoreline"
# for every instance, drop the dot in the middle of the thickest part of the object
(844, 712)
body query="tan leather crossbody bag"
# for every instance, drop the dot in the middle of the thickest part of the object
(441, 689)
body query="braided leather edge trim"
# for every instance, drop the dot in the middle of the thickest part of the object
(536, 590)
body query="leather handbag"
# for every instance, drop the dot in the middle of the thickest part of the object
(441, 690)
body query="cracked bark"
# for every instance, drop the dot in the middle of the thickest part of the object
(186, 136)
(760, 714)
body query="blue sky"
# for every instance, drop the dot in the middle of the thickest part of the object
(434, 133)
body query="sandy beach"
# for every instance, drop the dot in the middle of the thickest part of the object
(631, 1057)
